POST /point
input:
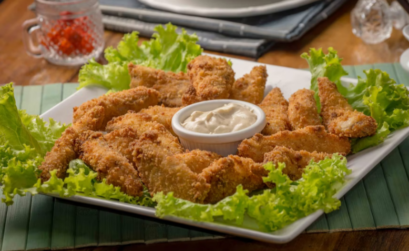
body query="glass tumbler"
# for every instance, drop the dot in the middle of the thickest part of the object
(68, 32)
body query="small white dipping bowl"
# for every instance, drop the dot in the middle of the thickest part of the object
(224, 143)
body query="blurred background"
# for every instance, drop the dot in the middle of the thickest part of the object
(273, 32)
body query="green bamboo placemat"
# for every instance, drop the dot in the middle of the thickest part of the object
(380, 200)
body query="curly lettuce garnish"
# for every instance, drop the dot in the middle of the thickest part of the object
(81, 180)
(273, 209)
(168, 51)
(324, 65)
(24, 140)
(378, 95)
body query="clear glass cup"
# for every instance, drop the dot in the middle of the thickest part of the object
(373, 20)
(68, 32)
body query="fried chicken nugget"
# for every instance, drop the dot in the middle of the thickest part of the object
(162, 115)
(225, 174)
(339, 117)
(171, 86)
(302, 110)
(96, 152)
(163, 167)
(295, 161)
(310, 138)
(250, 87)
(119, 103)
(63, 150)
(275, 107)
(211, 78)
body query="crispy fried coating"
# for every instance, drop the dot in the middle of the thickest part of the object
(163, 167)
(250, 87)
(275, 107)
(162, 115)
(302, 110)
(119, 103)
(211, 78)
(171, 86)
(63, 150)
(295, 161)
(339, 117)
(120, 141)
(140, 122)
(310, 138)
(96, 152)
(197, 160)
(225, 174)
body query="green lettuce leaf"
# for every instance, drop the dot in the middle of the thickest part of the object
(113, 76)
(24, 140)
(384, 100)
(378, 95)
(12, 130)
(324, 65)
(231, 208)
(273, 209)
(82, 180)
(167, 50)
(293, 200)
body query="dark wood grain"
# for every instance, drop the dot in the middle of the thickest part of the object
(17, 66)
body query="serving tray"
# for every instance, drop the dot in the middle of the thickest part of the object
(288, 80)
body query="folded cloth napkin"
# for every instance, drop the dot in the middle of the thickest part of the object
(248, 36)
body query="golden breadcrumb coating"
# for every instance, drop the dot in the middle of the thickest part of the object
(211, 78)
(250, 87)
(171, 86)
(140, 122)
(302, 110)
(197, 160)
(63, 150)
(225, 174)
(120, 140)
(339, 117)
(275, 107)
(295, 161)
(162, 115)
(119, 103)
(310, 138)
(163, 167)
(96, 152)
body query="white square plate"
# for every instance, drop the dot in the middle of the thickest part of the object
(288, 80)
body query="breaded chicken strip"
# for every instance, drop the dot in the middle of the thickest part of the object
(225, 174)
(275, 107)
(119, 103)
(295, 161)
(140, 122)
(197, 160)
(310, 138)
(163, 167)
(110, 164)
(339, 117)
(302, 110)
(63, 150)
(250, 87)
(171, 86)
(120, 141)
(211, 78)
(162, 115)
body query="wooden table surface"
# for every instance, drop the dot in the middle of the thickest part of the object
(335, 32)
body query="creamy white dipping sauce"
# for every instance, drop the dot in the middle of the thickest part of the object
(228, 118)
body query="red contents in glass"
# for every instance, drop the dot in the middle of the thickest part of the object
(70, 36)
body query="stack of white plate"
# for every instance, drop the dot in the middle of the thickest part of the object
(225, 8)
